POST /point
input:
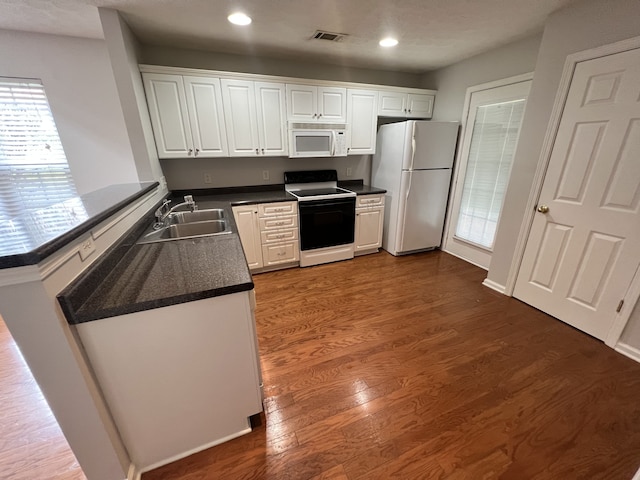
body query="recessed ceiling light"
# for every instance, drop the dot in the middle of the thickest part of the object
(239, 18)
(388, 42)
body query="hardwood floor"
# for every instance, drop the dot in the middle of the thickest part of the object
(409, 368)
(32, 447)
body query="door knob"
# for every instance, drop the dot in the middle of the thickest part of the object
(543, 209)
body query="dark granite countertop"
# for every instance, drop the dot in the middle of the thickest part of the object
(33, 236)
(133, 277)
(359, 188)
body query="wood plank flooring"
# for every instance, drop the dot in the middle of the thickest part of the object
(32, 446)
(409, 368)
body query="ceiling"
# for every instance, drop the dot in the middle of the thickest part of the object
(432, 33)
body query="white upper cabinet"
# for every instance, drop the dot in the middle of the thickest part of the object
(168, 111)
(186, 115)
(272, 120)
(362, 118)
(204, 104)
(254, 116)
(307, 103)
(406, 105)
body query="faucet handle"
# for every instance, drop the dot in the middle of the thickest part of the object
(189, 201)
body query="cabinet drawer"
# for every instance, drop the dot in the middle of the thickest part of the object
(278, 236)
(278, 208)
(369, 201)
(280, 253)
(278, 222)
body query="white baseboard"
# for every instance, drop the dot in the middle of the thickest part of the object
(634, 354)
(133, 473)
(196, 450)
(494, 286)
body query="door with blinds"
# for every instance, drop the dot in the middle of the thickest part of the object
(483, 168)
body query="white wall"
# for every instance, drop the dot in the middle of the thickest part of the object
(184, 174)
(81, 90)
(177, 57)
(631, 334)
(582, 25)
(124, 52)
(452, 81)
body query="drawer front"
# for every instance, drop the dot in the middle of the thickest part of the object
(278, 208)
(276, 223)
(369, 201)
(280, 253)
(277, 236)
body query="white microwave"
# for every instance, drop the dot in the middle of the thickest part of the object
(317, 140)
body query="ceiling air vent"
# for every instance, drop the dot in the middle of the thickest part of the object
(332, 37)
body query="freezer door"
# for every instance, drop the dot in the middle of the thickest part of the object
(433, 145)
(423, 202)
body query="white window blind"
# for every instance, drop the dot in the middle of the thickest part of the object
(34, 174)
(493, 143)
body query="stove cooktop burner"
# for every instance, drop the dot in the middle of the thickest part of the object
(319, 191)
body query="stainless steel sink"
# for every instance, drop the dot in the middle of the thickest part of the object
(195, 216)
(191, 229)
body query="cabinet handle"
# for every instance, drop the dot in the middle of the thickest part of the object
(257, 151)
(314, 115)
(197, 151)
(409, 110)
(263, 151)
(319, 115)
(190, 152)
(281, 254)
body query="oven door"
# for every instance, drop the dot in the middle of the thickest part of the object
(327, 223)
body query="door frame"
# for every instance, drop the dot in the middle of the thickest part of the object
(633, 293)
(457, 174)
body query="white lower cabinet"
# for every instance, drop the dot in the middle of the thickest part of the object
(269, 234)
(369, 220)
(246, 218)
(175, 388)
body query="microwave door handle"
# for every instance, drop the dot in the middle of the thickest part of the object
(333, 143)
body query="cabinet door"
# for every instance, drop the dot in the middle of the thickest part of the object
(272, 121)
(204, 104)
(419, 105)
(362, 118)
(332, 104)
(302, 104)
(392, 104)
(240, 117)
(368, 229)
(246, 218)
(168, 112)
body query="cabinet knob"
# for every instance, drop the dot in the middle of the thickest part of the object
(319, 115)
(315, 115)
(409, 110)
(190, 151)
(263, 150)
(257, 151)
(197, 151)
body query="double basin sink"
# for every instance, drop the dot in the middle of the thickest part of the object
(181, 225)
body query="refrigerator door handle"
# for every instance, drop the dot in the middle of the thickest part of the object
(400, 236)
(413, 144)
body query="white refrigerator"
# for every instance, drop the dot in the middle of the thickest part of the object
(413, 162)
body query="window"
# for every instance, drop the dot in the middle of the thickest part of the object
(493, 144)
(34, 174)
(487, 149)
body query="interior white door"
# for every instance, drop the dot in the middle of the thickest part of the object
(487, 149)
(584, 244)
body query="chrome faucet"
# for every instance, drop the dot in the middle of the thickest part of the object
(164, 211)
